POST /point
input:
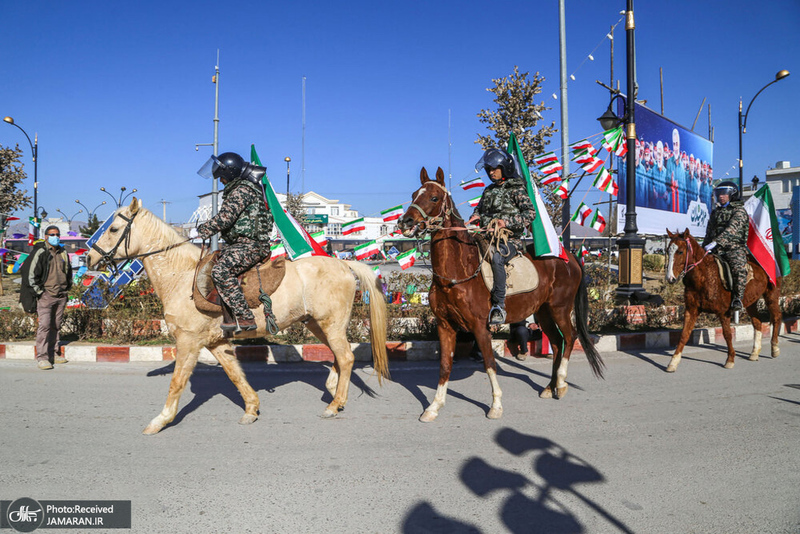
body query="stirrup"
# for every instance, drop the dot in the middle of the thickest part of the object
(497, 315)
(736, 304)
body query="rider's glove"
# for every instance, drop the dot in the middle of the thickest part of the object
(193, 234)
(710, 246)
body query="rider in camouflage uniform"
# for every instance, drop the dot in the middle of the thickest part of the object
(726, 235)
(505, 200)
(245, 223)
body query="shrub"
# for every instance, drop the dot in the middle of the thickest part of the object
(653, 262)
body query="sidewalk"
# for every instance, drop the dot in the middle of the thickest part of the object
(397, 351)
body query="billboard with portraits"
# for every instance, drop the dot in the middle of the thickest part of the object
(673, 177)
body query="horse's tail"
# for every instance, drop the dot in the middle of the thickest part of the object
(582, 325)
(377, 317)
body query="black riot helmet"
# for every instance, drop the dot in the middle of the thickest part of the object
(227, 167)
(727, 188)
(494, 158)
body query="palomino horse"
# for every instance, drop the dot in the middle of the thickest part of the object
(703, 292)
(460, 300)
(318, 291)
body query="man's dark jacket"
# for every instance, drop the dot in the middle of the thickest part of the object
(40, 258)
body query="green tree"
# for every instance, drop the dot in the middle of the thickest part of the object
(517, 112)
(12, 198)
(91, 227)
(296, 208)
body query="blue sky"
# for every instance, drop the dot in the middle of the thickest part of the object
(120, 93)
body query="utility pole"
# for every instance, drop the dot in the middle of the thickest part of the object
(164, 209)
(562, 61)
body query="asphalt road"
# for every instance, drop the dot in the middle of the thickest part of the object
(701, 450)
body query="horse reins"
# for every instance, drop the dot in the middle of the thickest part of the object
(687, 267)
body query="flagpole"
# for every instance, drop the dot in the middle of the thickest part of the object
(562, 56)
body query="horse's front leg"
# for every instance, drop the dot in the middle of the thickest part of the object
(773, 305)
(752, 311)
(484, 340)
(224, 353)
(725, 319)
(689, 319)
(447, 346)
(185, 361)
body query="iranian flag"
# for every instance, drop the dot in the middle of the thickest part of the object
(613, 138)
(277, 250)
(581, 146)
(475, 182)
(392, 214)
(551, 178)
(583, 251)
(545, 238)
(563, 190)
(377, 271)
(550, 168)
(605, 182)
(588, 162)
(366, 250)
(581, 214)
(598, 222)
(764, 238)
(407, 258)
(296, 241)
(474, 201)
(547, 157)
(355, 225)
(320, 238)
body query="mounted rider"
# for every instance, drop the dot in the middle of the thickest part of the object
(505, 201)
(726, 235)
(244, 222)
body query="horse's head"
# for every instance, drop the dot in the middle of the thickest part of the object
(430, 204)
(117, 242)
(680, 253)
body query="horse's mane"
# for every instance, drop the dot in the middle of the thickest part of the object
(160, 235)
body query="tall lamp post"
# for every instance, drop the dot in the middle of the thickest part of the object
(287, 159)
(69, 219)
(122, 198)
(35, 151)
(743, 119)
(631, 245)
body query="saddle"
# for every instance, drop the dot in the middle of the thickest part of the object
(726, 275)
(521, 274)
(266, 277)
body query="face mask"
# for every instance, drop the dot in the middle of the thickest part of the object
(53, 240)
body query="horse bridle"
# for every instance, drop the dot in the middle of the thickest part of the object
(429, 220)
(686, 266)
(108, 258)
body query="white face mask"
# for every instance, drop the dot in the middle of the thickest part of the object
(53, 240)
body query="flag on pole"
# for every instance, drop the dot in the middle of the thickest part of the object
(764, 237)
(583, 251)
(392, 214)
(320, 238)
(407, 258)
(598, 222)
(366, 250)
(547, 157)
(356, 225)
(551, 178)
(377, 271)
(277, 250)
(295, 243)
(581, 214)
(475, 182)
(563, 190)
(545, 238)
(474, 201)
(605, 182)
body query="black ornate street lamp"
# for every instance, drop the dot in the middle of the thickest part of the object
(743, 119)
(35, 152)
(287, 159)
(122, 198)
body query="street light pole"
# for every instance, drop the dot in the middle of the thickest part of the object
(35, 151)
(89, 213)
(122, 198)
(743, 120)
(287, 159)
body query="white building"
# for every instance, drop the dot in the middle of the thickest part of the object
(781, 180)
(336, 213)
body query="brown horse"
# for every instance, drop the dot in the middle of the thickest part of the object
(460, 300)
(318, 291)
(704, 292)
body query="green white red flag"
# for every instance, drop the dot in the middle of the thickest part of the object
(474, 201)
(545, 238)
(764, 237)
(277, 250)
(475, 182)
(407, 258)
(582, 146)
(551, 167)
(366, 250)
(547, 157)
(392, 214)
(605, 182)
(563, 190)
(551, 179)
(598, 222)
(581, 214)
(320, 238)
(356, 225)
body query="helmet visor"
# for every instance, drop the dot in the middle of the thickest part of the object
(209, 168)
(725, 190)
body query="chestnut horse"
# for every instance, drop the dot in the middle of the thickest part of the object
(460, 300)
(318, 291)
(703, 292)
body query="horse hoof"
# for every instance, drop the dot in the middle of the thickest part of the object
(151, 430)
(521, 357)
(560, 392)
(329, 414)
(546, 393)
(428, 417)
(776, 351)
(495, 413)
(248, 419)
(728, 365)
(753, 358)
(671, 368)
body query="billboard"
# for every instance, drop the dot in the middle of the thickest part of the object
(673, 177)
